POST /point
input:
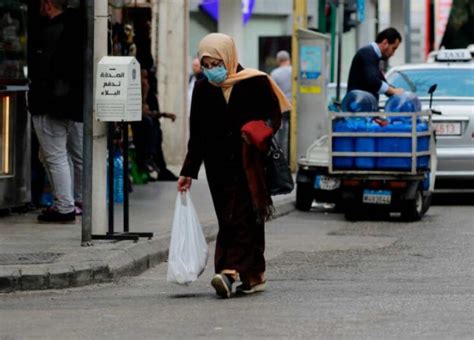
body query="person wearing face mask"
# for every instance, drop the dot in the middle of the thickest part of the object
(228, 132)
(365, 73)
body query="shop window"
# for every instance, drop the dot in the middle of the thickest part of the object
(12, 41)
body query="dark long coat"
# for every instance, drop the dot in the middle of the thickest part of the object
(56, 67)
(215, 138)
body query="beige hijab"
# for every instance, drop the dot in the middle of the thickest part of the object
(222, 47)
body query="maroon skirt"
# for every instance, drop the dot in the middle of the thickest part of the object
(240, 243)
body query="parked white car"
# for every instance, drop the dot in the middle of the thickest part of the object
(453, 72)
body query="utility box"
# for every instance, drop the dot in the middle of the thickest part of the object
(118, 90)
(312, 81)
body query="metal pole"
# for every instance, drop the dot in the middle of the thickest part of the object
(88, 11)
(110, 178)
(333, 39)
(300, 20)
(99, 129)
(407, 28)
(377, 18)
(427, 28)
(322, 16)
(125, 178)
(340, 25)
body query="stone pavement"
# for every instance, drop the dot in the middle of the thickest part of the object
(46, 256)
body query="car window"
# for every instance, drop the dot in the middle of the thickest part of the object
(451, 82)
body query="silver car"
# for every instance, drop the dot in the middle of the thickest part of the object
(454, 98)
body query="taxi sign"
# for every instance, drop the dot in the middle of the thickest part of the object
(453, 55)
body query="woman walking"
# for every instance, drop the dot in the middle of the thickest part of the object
(228, 133)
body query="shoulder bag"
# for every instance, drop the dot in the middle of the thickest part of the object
(278, 173)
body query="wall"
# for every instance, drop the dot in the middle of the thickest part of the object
(269, 18)
(261, 26)
(418, 24)
(199, 26)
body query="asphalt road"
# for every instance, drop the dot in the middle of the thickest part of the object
(326, 278)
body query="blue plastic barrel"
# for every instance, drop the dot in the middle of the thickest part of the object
(405, 102)
(118, 177)
(402, 144)
(359, 101)
(423, 144)
(366, 144)
(343, 144)
(426, 182)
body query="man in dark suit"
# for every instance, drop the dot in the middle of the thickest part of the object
(365, 73)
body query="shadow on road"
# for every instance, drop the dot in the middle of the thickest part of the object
(464, 199)
(189, 296)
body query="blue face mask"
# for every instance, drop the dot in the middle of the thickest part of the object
(216, 74)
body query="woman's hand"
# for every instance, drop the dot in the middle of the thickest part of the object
(245, 138)
(184, 183)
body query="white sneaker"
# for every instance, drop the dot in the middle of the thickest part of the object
(256, 288)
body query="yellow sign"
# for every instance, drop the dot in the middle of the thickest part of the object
(310, 89)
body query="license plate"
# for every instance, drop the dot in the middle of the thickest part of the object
(377, 196)
(326, 183)
(448, 129)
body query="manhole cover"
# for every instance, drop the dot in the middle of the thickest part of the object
(28, 258)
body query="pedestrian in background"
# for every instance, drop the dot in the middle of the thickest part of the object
(152, 114)
(56, 102)
(196, 74)
(147, 135)
(231, 100)
(282, 76)
(365, 73)
(129, 47)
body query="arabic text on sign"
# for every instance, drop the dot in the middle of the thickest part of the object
(112, 75)
(110, 93)
(112, 84)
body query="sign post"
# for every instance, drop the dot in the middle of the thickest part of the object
(118, 99)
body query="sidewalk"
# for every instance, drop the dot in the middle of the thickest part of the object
(46, 256)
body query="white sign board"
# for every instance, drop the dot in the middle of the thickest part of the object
(118, 90)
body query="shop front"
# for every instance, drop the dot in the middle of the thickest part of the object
(15, 172)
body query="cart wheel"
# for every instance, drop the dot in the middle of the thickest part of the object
(339, 205)
(413, 210)
(353, 211)
(427, 202)
(304, 196)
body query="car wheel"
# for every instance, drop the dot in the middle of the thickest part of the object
(304, 196)
(413, 210)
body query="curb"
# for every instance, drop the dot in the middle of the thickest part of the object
(121, 259)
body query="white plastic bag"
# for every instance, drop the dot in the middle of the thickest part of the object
(188, 247)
